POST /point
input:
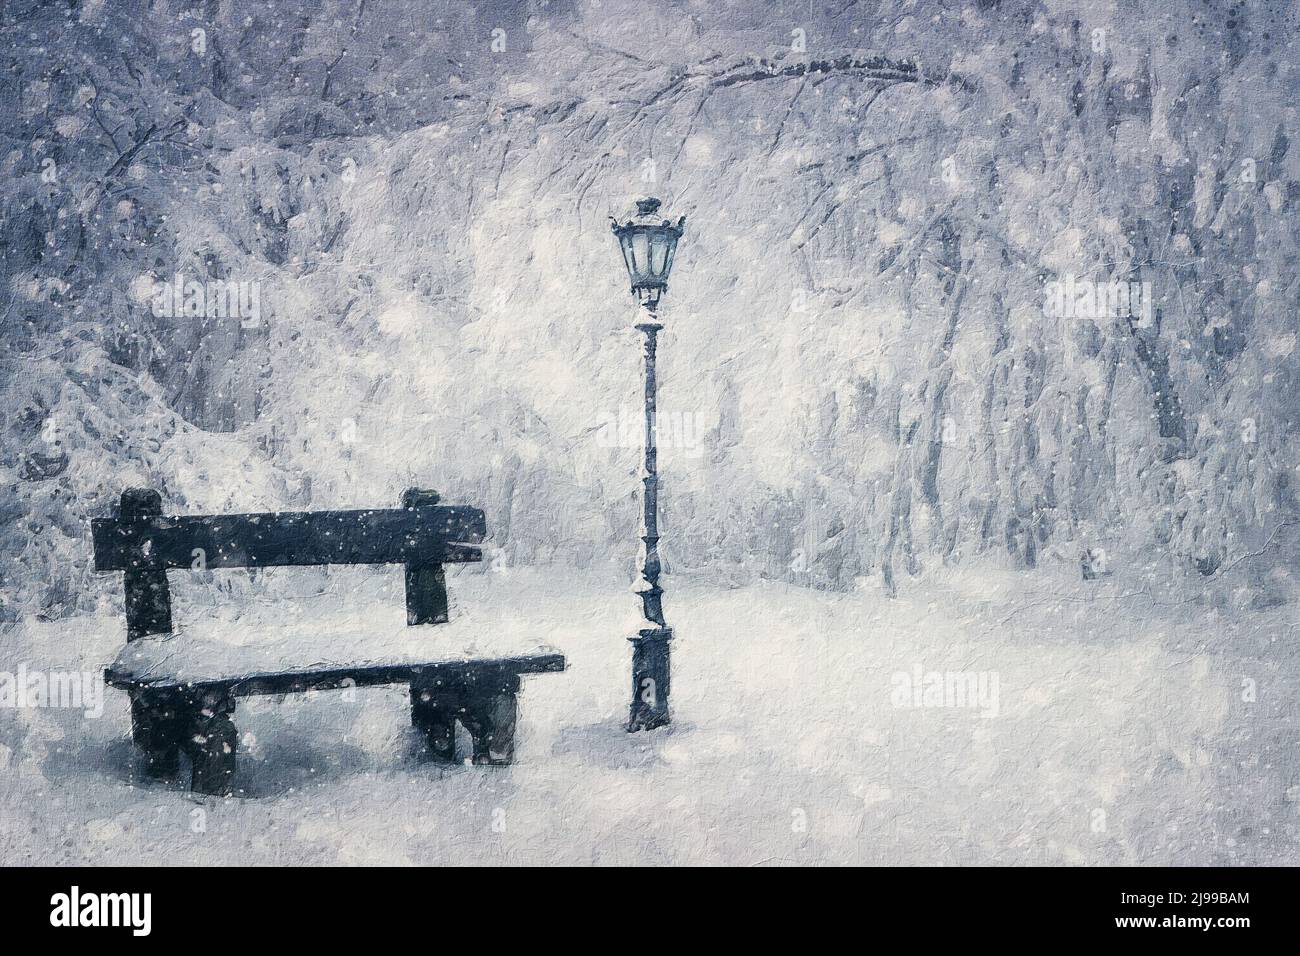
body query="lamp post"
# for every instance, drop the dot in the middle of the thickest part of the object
(649, 244)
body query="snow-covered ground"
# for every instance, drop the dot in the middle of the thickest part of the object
(1122, 728)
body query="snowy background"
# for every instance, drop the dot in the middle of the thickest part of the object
(888, 454)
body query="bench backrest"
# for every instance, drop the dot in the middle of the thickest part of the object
(421, 534)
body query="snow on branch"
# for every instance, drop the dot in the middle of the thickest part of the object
(876, 68)
(870, 68)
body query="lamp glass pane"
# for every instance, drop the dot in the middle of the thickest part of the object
(672, 251)
(658, 254)
(625, 244)
(640, 251)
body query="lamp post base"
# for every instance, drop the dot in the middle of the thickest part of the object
(649, 679)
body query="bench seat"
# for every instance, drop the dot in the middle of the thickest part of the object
(327, 677)
(375, 648)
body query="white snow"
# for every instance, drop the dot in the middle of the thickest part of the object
(1120, 723)
(307, 636)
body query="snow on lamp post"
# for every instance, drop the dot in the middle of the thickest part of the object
(649, 244)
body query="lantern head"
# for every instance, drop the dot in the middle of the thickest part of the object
(649, 243)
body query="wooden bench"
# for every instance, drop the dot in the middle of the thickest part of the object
(183, 702)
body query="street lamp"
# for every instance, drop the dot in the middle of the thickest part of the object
(649, 244)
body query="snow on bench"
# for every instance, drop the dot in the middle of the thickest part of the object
(183, 683)
(377, 638)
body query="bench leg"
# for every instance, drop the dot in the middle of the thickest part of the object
(156, 729)
(434, 708)
(491, 713)
(211, 742)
